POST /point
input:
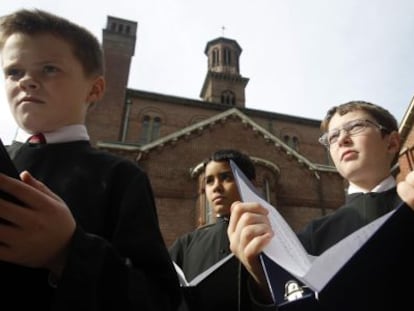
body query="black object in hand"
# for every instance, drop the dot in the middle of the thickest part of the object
(7, 167)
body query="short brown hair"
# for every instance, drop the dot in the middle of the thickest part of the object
(381, 115)
(85, 45)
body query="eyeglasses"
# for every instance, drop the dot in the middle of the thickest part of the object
(351, 128)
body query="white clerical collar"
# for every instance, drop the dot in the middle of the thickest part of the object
(384, 185)
(64, 134)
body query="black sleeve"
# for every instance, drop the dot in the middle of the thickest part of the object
(128, 270)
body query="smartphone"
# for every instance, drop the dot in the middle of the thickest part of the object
(7, 167)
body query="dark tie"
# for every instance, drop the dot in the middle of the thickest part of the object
(37, 139)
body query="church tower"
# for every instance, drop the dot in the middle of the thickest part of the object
(223, 83)
(118, 43)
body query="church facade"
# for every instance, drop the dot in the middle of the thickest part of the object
(170, 136)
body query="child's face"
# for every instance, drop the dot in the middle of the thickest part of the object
(221, 188)
(45, 84)
(363, 159)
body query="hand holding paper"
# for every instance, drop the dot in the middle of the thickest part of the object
(286, 250)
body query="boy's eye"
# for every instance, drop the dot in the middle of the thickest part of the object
(50, 69)
(333, 136)
(13, 72)
(355, 127)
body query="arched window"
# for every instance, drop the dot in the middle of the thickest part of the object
(205, 211)
(208, 212)
(266, 189)
(156, 124)
(215, 58)
(150, 129)
(227, 56)
(144, 129)
(228, 98)
(295, 143)
(291, 141)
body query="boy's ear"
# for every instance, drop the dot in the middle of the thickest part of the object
(394, 142)
(97, 90)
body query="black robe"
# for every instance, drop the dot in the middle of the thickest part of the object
(375, 280)
(358, 210)
(117, 258)
(198, 250)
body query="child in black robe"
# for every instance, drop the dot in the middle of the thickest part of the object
(196, 251)
(363, 142)
(86, 236)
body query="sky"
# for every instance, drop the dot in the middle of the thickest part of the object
(302, 57)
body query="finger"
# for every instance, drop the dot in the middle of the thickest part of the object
(11, 186)
(256, 245)
(30, 180)
(405, 190)
(29, 195)
(410, 178)
(12, 213)
(239, 211)
(236, 210)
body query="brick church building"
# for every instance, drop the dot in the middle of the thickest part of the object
(170, 136)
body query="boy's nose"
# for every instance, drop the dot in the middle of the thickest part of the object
(344, 137)
(28, 82)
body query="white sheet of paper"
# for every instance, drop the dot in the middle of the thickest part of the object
(202, 275)
(286, 250)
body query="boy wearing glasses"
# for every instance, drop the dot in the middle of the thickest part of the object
(363, 141)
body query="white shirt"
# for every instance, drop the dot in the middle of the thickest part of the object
(384, 185)
(64, 134)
